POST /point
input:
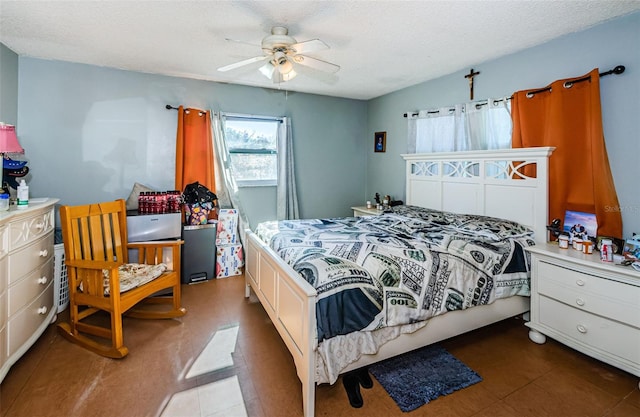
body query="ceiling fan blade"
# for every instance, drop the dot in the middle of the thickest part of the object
(242, 63)
(242, 42)
(309, 46)
(315, 63)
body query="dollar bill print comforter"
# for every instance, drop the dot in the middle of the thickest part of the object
(402, 267)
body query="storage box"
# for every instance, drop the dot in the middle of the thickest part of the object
(227, 233)
(229, 260)
(60, 283)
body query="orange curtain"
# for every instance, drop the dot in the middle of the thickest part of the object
(194, 149)
(568, 116)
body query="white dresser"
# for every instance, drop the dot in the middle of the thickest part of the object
(26, 278)
(589, 305)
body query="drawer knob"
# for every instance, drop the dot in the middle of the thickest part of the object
(42, 280)
(44, 253)
(580, 301)
(580, 282)
(40, 226)
(42, 310)
(581, 328)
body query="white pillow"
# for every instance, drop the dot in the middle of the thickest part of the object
(132, 200)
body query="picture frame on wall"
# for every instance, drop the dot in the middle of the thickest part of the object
(380, 142)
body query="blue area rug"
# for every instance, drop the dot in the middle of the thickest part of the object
(415, 378)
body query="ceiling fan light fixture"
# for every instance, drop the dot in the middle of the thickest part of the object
(285, 68)
(289, 75)
(267, 70)
(283, 52)
(279, 57)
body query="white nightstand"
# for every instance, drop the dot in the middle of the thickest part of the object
(362, 211)
(586, 304)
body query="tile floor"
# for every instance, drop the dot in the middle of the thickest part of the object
(224, 358)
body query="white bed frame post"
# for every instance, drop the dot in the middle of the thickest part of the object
(290, 302)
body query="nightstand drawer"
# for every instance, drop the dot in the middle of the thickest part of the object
(616, 300)
(590, 330)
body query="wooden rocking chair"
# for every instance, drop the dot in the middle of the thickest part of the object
(99, 275)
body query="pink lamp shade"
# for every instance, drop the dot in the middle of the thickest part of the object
(8, 140)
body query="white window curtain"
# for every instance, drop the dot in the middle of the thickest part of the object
(464, 127)
(287, 197)
(226, 187)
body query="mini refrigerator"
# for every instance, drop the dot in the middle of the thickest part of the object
(198, 253)
(150, 227)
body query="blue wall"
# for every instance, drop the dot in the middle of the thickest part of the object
(90, 133)
(8, 86)
(613, 43)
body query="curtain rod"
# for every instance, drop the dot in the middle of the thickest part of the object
(240, 116)
(170, 107)
(619, 69)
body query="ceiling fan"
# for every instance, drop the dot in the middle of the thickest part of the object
(282, 53)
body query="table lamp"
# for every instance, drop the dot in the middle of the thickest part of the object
(8, 144)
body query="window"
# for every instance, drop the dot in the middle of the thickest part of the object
(464, 127)
(252, 142)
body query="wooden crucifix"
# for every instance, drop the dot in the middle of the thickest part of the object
(470, 76)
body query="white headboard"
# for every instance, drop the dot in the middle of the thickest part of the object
(491, 183)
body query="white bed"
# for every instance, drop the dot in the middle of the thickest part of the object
(489, 183)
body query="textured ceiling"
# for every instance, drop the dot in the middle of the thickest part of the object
(381, 46)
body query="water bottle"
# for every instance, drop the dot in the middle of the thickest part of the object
(23, 195)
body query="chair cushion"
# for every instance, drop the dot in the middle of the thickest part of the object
(133, 275)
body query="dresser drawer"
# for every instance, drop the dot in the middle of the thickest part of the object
(3, 345)
(3, 308)
(591, 331)
(30, 257)
(26, 230)
(29, 287)
(4, 241)
(4, 274)
(605, 297)
(27, 321)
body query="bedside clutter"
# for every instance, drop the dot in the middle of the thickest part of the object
(229, 256)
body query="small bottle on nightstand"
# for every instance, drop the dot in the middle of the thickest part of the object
(606, 250)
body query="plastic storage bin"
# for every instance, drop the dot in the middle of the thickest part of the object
(61, 282)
